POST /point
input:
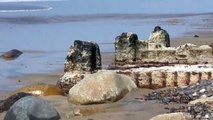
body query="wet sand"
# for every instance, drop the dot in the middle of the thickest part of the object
(125, 109)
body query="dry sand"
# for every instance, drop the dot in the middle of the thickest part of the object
(125, 109)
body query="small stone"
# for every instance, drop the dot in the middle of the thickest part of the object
(203, 96)
(194, 94)
(202, 90)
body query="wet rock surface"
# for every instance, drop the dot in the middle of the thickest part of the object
(11, 55)
(8, 102)
(31, 108)
(40, 90)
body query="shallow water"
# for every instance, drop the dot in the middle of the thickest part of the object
(44, 30)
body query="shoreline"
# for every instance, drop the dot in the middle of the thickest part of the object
(128, 107)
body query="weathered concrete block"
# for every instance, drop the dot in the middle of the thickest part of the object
(205, 75)
(144, 79)
(194, 77)
(159, 36)
(83, 56)
(125, 47)
(158, 79)
(171, 78)
(183, 78)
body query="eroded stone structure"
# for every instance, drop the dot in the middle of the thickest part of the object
(153, 64)
(82, 58)
(131, 52)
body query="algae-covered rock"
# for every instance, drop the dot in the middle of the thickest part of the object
(69, 79)
(159, 35)
(125, 47)
(41, 90)
(83, 56)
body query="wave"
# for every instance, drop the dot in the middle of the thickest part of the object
(27, 10)
(8, 1)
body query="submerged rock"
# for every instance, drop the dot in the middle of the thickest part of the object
(41, 90)
(11, 55)
(31, 108)
(101, 87)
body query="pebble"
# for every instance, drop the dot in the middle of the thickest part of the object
(199, 111)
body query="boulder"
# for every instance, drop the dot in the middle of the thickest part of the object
(125, 47)
(101, 87)
(41, 90)
(8, 102)
(173, 116)
(31, 108)
(11, 55)
(160, 36)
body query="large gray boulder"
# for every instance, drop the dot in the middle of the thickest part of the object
(82, 58)
(31, 108)
(159, 35)
(101, 87)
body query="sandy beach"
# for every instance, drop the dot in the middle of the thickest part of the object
(125, 109)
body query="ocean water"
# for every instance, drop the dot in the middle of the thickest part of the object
(45, 29)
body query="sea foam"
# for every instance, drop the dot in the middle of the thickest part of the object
(7, 1)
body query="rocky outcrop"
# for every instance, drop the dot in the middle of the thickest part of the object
(83, 58)
(40, 90)
(31, 108)
(11, 55)
(101, 87)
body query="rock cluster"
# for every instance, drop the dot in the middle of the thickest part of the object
(83, 58)
(198, 111)
(183, 95)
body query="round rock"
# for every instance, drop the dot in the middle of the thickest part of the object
(101, 87)
(31, 108)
